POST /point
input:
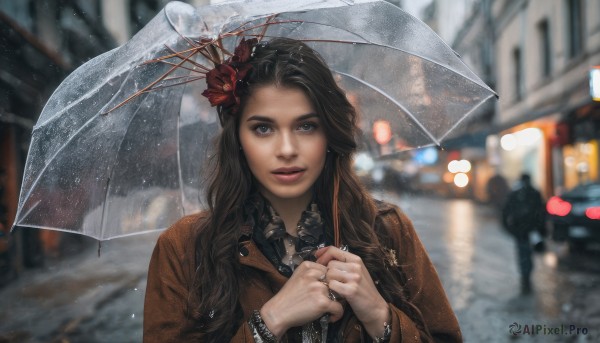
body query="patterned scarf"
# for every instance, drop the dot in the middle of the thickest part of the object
(268, 231)
(271, 237)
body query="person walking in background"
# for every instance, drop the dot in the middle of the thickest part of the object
(522, 214)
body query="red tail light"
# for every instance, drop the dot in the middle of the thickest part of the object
(593, 212)
(558, 206)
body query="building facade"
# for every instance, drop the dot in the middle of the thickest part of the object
(41, 43)
(537, 55)
(548, 123)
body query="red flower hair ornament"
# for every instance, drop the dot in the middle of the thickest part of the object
(226, 80)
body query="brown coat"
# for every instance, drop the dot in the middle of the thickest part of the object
(171, 273)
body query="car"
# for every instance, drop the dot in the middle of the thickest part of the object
(574, 216)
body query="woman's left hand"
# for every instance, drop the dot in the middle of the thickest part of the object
(348, 277)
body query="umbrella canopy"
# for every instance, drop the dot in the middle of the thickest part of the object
(120, 146)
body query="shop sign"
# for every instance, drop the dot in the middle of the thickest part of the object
(595, 83)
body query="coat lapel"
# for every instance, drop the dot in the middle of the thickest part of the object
(251, 256)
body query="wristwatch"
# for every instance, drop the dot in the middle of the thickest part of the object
(387, 333)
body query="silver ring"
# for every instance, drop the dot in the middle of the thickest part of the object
(323, 277)
(332, 295)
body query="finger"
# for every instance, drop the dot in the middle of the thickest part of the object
(335, 254)
(345, 290)
(311, 265)
(321, 251)
(336, 311)
(327, 254)
(340, 275)
(311, 269)
(345, 266)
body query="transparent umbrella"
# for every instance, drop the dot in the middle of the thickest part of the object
(120, 146)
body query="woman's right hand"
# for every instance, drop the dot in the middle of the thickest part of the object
(303, 299)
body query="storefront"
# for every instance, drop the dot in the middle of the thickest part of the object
(526, 149)
(558, 146)
(581, 152)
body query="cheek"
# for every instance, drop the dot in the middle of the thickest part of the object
(320, 152)
(250, 150)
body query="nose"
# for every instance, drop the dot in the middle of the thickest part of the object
(287, 146)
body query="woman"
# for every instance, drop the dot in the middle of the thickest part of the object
(253, 267)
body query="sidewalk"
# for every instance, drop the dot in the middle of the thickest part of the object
(70, 298)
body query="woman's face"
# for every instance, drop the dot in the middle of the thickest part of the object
(284, 143)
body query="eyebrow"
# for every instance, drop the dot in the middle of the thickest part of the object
(270, 120)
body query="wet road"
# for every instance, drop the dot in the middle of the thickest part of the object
(476, 261)
(84, 298)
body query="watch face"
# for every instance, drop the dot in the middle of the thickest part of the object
(387, 332)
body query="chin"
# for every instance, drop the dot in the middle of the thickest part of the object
(290, 193)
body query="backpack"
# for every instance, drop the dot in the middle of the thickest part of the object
(523, 211)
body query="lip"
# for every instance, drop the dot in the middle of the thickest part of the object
(288, 174)
(287, 170)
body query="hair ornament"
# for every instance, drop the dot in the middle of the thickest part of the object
(226, 81)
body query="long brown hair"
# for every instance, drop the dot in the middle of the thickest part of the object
(343, 200)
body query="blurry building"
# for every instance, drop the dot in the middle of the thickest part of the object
(549, 124)
(465, 26)
(41, 42)
(537, 55)
(473, 41)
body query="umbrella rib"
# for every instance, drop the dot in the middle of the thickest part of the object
(124, 69)
(102, 218)
(390, 98)
(466, 116)
(445, 66)
(179, 173)
(46, 227)
(480, 83)
(18, 215)
(110, 177)
(37, 179)
(369, 42)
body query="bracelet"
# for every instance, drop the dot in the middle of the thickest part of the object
(260, 330)
(387, 333)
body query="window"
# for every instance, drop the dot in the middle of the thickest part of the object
(518, 73)
(575, 27)
(545, 49)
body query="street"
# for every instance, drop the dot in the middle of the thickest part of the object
(86, 298)
(476, 261)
